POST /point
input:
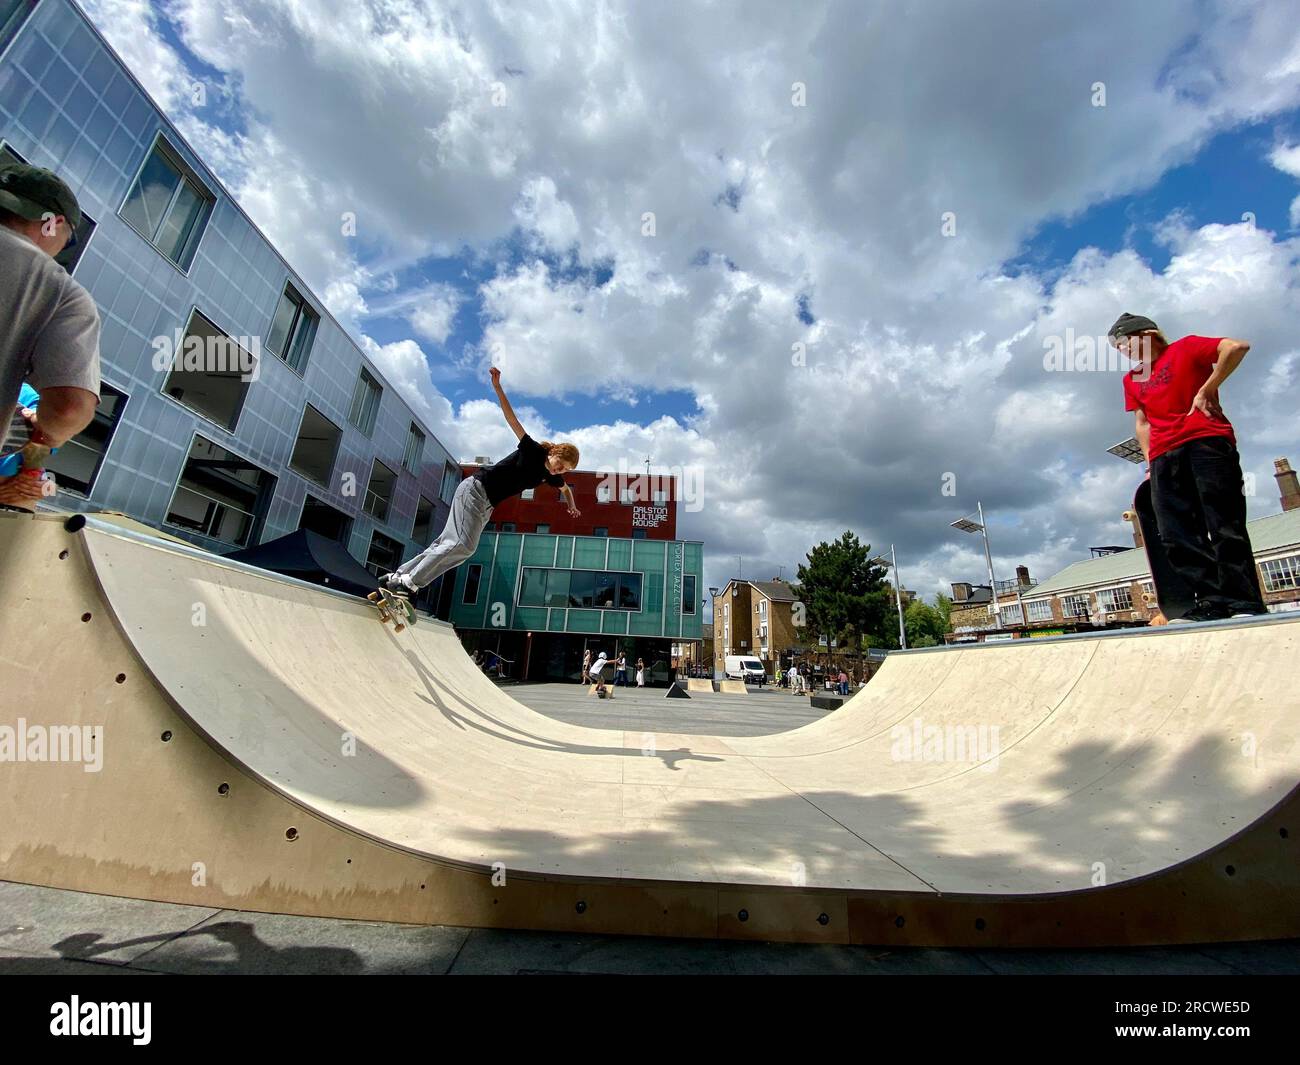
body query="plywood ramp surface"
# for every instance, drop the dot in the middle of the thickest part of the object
(1069, 790)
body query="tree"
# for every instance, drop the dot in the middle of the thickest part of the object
(924, 624)
(843, 592)
(943, 604)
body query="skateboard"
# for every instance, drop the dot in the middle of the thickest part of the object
(393, 606)
(1174, 598)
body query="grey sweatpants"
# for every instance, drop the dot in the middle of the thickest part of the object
(470, 511)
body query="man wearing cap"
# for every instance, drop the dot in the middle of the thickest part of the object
(49, 326)
(1195, 470)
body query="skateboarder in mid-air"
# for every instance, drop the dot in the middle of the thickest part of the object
(531, 463)
(1194, 467)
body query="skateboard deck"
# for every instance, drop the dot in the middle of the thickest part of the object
(1174, 598)
(393, 606)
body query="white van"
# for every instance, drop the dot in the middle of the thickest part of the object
(742, 667)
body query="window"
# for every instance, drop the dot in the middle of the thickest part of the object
(321, 518)
(626, 496)
(414, 449)
(1075, 606)
(559, 582)
(532, 591)
(1281, 574)
(606, 589)
(379, 493)
(210, 373)
(1112, 600)
(317, 444)
(638, 533)
(507, 526)
(385, 554)
(450, 482)
(12, 15)
(293, 329)
(600, 530)
(660, 497)
(168, 205)
(629, 591)
(580, 588)
(603, 493)
(762, 609)
(77, 463)
(543, 528)
(365, 402)
(219, 494)
(527, 493)
(68, 257)
(688, 594)
(1011, 614)
(1040, 610)
(473, 577)
(422, 530)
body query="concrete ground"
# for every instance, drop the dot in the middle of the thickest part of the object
(45, 930)
(761, 712)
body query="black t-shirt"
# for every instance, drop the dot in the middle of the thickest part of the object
(525, 467)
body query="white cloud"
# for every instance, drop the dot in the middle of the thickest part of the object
(924, 358)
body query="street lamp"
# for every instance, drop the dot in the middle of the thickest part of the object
(966, 525)
(881, 560)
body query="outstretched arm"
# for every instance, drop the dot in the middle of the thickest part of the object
(506, 409)
(567, 493)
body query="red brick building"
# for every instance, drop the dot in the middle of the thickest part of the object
(635, 506)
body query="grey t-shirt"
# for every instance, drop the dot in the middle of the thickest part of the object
(49, 326)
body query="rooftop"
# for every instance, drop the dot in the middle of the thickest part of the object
(1271, 533)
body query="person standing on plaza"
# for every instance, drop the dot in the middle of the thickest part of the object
(586, 667)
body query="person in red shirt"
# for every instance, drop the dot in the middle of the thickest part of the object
(1192, 459)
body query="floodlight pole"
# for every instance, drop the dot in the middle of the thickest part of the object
(988, 558)
(898, 598)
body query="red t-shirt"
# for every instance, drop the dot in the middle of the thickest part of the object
(1166, 396)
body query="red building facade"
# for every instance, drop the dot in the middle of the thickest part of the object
(635, 506)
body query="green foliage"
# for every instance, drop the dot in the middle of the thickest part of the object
(943, 604)
(844, 593)
(925, 625)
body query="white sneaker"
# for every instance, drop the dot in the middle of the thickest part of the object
(398, 582)
(1244, 615)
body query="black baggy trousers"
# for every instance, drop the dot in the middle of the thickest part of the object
(1196, 491)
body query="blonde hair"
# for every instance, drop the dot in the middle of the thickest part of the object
(564, 452)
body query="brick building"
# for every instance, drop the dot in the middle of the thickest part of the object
(632, 506)
(753, 618)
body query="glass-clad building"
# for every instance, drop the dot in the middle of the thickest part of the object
(536, 601)
(234, 408)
